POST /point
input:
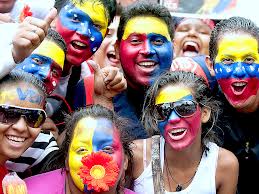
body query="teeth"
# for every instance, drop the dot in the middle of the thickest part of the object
(147, 64)
(79, 43)
(177, 131)
(239, 84)
(16, 139)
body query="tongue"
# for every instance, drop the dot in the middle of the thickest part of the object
(190, 53)
(238, 88)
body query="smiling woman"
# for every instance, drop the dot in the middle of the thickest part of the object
(22, 98)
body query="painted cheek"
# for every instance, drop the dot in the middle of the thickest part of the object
(165, 55)
(118, 149)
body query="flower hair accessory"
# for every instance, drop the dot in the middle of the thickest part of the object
(99, 171)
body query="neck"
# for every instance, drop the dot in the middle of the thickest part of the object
(66, 68)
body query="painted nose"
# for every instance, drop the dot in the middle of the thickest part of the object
(84, 29)
(147, 49)
(239, 70)
(173, 118)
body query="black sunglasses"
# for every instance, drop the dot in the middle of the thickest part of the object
(11, 114)
(183, 108)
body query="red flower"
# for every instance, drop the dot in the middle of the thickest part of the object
(99, 171)
(25, 12)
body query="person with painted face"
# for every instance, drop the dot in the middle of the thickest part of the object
(184, 157)
(93, 157)
(235, 58)
(192, 36)
(22, 100)
(47, 61)
(145, 37)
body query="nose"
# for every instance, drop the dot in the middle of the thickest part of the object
(84, 29)
(20, 125)
(114, 38)
(173, 118)
(147, 48)
(239, 70)
(192, 32)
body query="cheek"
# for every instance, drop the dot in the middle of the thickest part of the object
(128, 52)
(63, 31)
(195, 123)
(165, 54)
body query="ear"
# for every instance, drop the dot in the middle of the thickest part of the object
(209, 64)
(125, 162)
(205, 114)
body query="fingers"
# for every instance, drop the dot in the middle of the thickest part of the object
(120, 86)
(51, 16)
(94, 65)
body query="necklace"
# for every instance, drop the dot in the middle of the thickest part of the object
(179, 186)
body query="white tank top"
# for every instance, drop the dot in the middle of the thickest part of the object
(202, 183)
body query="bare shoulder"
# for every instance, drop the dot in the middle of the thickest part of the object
(137, 150)
(227, 172)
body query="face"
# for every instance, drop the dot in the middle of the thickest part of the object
(6, 5)
(83, 27)
(46, 63)
(105, 55)
(145, 50)
(92, 135)
(179, 132)
(17, 137)
(191, 38)
(236, 69)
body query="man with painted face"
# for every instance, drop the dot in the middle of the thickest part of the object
(47, 61)
(234, 53)
(145, 37)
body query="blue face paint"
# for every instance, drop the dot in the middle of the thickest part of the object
(29, 95)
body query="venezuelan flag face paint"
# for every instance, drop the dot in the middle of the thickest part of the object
(92, 135)
(145, 50)
(179, 132)
(237, 70)
(83, 27)
(46, 63)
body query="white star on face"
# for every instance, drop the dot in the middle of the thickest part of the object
(32, 65)
(54, 83)
(228, 69)
(252, 68)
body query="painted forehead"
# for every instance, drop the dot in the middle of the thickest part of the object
(50, 49)
(146, 25)
(21, 94)
(172, 93)
(237, 45)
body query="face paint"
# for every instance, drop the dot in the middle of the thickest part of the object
(83, 27)
(178, 132)
(237, 70)
(46, 63)
(145, 50)
(92, 135)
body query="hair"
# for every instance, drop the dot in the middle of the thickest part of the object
(200, 92)
(233, 25)
(95, 111)
(54, 36)
(144, 8)
(109, 5)
(16, 76)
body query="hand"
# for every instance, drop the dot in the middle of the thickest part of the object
(49, 125)
(108, 81)
(30, 34)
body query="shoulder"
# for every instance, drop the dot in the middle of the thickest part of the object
(227, 160)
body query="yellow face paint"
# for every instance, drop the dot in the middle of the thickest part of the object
(146, 25)
(237, 47)
(96, 11)
(171, 93)
(53, 51)
(81, 145)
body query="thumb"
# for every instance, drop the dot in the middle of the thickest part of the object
(94, 66)
(51, 15)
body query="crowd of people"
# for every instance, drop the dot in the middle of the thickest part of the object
(99, 96)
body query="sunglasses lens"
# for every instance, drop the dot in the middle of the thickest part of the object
(11, 114)
(164, 111)
(185, 108)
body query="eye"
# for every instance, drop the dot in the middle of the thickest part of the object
(97, 27)
(158, 42)
(227, 61)
(75, 18)
(37, 61)
(55, 73)
(249, 60)
(182, 29)
(81, 150)
(135, 41)
(108, 149)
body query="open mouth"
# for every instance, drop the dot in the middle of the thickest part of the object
(147, 66)
(78, 45)
(112, 57)
(177, 134)
(15, 139)
(190, 49)
(238, 87)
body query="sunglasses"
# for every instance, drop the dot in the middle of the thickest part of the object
(11, 114)
(183, 108)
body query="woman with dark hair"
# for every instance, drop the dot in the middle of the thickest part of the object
(92, 159)
(184, 158)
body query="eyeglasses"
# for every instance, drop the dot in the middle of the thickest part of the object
(11, 114)
(183, 108)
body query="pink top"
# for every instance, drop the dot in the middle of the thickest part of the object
(52, 182)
